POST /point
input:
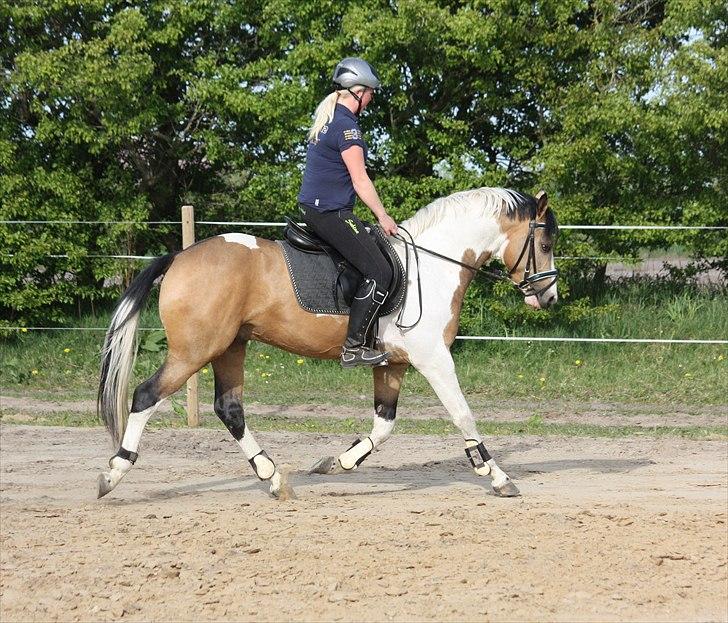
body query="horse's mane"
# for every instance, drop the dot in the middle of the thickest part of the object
(488, 201)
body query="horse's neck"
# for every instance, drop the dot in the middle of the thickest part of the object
(456, 237)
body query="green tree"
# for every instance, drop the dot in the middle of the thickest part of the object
(641, 138)
(114, 110)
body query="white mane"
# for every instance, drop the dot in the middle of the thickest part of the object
(487, 201)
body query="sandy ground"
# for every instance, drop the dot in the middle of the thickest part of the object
(628, 529)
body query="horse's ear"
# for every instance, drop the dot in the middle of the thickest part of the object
(542, 204)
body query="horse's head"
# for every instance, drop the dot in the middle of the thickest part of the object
(529, 254)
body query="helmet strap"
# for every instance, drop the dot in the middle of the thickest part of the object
(358, 99)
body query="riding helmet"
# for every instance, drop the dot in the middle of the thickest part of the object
(353, 71)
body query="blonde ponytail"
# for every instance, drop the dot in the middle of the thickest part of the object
(324, 114)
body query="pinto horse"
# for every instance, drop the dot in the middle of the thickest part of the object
(224, 291)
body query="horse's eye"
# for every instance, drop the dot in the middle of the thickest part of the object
(546, 248)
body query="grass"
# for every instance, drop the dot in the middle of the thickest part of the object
(64, 364)
(356, 426)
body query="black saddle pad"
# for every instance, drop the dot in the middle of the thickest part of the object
(316, 282)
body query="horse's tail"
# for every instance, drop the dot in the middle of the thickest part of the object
(119, 352)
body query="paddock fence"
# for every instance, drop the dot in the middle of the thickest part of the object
(188, 224)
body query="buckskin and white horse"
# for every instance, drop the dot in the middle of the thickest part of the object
(221, 293)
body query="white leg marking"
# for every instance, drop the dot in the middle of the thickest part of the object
(135, 427)
(275, 483)
(499, 476)
(439, 371)
(264, 467)
(119, 468)
(248, 444)
(381, 430)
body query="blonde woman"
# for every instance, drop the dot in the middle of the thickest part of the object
(335, 175)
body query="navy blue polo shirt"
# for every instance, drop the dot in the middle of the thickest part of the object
(327, 184)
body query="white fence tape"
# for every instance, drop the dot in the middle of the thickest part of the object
(272, 224)
(499, 338)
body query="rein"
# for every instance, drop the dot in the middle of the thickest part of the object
(493, 274)
(525, 285)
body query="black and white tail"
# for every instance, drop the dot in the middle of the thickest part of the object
(119, 352)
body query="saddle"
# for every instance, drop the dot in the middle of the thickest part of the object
(324, 281)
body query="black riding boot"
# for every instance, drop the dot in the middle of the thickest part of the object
(367, 301)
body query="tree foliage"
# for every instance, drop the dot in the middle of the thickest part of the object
(112, 110)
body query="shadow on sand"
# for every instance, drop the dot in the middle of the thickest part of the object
(405, 477)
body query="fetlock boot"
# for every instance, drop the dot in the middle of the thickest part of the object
(367, 301)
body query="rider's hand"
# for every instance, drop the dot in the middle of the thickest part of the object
(388, 225)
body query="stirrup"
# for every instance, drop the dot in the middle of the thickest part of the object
(362, 356)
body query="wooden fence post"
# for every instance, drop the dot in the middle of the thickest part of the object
(188, 238)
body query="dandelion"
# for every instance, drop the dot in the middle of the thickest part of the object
(721, 357)
(34, 372)
(520, 376)
(66, 350)
(205, 371)
(299, 361)
(542, 379)
(23, 330)
(577, 362)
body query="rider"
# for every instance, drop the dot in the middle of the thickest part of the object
(335, 174)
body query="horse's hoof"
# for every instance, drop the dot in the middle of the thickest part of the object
(507, 490)
(279, 487)
(285, 492)
(325, 465)
(105, 485)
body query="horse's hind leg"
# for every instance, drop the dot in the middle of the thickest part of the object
(228, 369)
(387, 384)
(147, 398)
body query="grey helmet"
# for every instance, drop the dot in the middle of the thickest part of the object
(353, 71)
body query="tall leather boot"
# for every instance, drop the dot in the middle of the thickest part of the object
(367, 301)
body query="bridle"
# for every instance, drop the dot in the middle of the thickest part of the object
(526, 285)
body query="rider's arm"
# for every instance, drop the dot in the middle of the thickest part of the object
(354, 161)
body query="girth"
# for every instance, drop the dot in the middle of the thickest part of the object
(349, 278)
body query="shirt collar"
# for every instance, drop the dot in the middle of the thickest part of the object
(340, 108)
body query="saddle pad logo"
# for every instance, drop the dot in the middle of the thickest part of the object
(352, 135)
(352, 224)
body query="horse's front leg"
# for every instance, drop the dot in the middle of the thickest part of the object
(439, 370)
(387, 384)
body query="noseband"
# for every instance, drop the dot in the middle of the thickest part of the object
(526, 284)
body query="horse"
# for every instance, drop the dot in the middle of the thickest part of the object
(217, 295)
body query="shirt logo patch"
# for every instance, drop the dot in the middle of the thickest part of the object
(352, 135)
(324, 130)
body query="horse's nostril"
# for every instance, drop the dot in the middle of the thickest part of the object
(551, 301)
